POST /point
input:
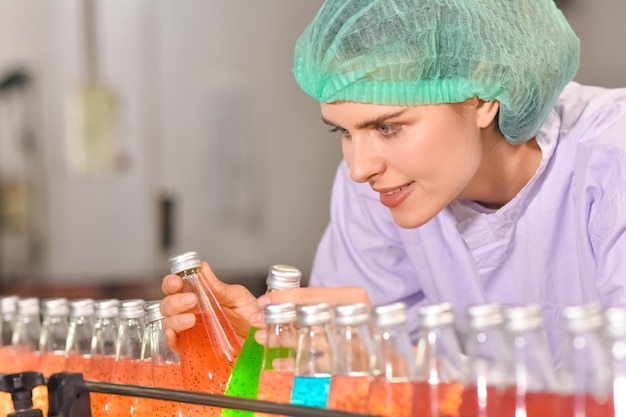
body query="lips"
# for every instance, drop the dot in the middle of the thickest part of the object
(394, 197)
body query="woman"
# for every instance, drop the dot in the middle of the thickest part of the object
(474, 169)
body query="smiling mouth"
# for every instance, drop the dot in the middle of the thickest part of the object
(397, 190)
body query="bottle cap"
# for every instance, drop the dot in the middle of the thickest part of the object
(351, 314)
(55, 307)
(131, 308)
(312, 314)
(390, 314)
(28, 306)
(184, 261)
(8, 304)
(583, 317)
(435, 315)
(523, 318)
(81, 307)
(152, 311)
(485, 315)
(279, 313)
(107, 308)
(283, 277)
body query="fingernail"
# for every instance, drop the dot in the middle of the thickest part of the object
(263, 301)
(188, 299)
(255, 317)
(260, 336)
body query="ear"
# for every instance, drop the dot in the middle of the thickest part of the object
(486, 112)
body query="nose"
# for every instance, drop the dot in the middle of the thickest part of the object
(363, 158)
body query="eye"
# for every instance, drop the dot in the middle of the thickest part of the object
(343, 132)
(388, 129)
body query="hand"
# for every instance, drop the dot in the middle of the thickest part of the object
(237, 302)
(312, 295)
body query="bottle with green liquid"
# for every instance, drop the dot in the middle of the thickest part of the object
(244, 379)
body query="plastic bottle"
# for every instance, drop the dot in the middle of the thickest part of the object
(102, 359)
(585, 374)
(314, 356)
(54, 330)
(440, 363)
(279, 354)
(209, 349)
(127, 365)
(535, 392)
(353, 359)
(488, 355)
(80, 331)
(165, 367)
(244, 380)
(391, 389)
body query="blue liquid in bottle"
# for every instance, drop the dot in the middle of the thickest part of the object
(311, 391)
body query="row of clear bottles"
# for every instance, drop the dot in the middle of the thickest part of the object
(347, 359)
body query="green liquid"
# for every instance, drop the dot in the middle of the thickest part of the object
(244, 379)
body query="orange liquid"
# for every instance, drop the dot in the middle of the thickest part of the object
(6, 359)
(99, 368)
(489, 406)
(275, 386)
(170, 376)
(77, 363)
(390, 399)
(536, 404)
(590, 406)
(441, 400)
(349, 393)
(126, 371)
(203, 370)
(49, 363)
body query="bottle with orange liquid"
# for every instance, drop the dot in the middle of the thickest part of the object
(615, 329)
(8, 307)
(164, 366)
(127, 365)
(25, 340)
(102, 356)
(353, 359)
(314, 356)
(585, 374)
(80, 330)
(210, 348)
(244, 380)
(54, 330)
(440, 364)
(391, 387)
(488, 355)
(279, 354)
(534, 393)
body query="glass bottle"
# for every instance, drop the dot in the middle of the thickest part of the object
(440, 363)
(314, 356)
(244, 380)
(585, 375)
(353, 359)
(25, 340)
(80, 330)
(8, 307)
(165, 366)
(488, 355)
(127, 365)
(279, 354)
(54, 329)
(615, 329)
(534, 393)
(391, 389)
(209, 349)
(102, 356)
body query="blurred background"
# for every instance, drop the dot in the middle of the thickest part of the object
(134, 130)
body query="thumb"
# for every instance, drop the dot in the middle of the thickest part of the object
(217, 287)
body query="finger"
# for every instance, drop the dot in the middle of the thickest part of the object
(171, 339)
(178, 303)
(314, 295)
(260, 336)
(171, 284)
(180, 322)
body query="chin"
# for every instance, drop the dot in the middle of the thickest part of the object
(410, 220)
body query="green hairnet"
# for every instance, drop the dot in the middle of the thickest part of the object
(406, 52)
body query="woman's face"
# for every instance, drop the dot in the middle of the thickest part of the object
(418, 158)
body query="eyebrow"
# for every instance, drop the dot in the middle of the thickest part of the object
(370, 123)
